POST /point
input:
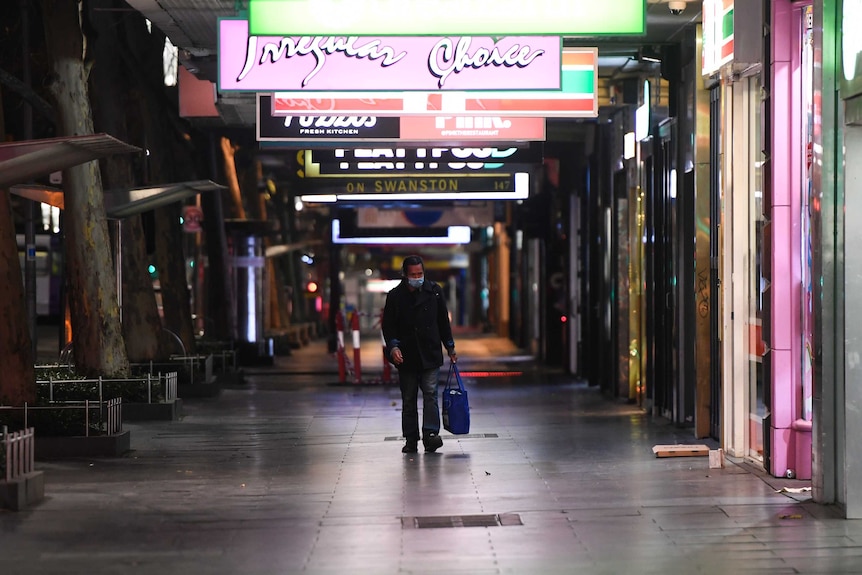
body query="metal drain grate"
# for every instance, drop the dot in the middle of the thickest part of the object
(449, 521)
(465, 436)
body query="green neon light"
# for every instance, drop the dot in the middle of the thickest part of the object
(446, 17)
(578, 82)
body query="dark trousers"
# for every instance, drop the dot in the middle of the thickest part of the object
(411, 383)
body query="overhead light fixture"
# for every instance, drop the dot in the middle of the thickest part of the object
(454, 235)
(649, 54)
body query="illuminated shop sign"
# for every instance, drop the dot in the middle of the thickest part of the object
(345, 169)
(421, 63)
(445, 17)
(466, 215)
(425, 155)
(851, 39)
(447, 235)
(467, 128)
(443, 162)
(392, 129)
(717, 35)
(437, 187)
(576, 99)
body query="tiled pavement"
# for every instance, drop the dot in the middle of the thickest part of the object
(294, 472)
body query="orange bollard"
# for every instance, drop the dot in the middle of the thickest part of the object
(357, 350)
(339, 329)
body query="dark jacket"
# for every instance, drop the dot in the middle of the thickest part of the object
(417, 323)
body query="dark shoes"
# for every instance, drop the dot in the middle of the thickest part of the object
(432, 443)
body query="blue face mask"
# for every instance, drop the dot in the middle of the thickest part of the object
(415, 283)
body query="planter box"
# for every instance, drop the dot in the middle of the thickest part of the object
(99, 423)
(23, 491)
(83, 446)
(166, 411)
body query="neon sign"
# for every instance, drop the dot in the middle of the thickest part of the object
(447, 17)
(439, 187)
(335, 128)
(338, 63)
(577, 98)
(851, 40)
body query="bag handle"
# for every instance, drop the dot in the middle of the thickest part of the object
(453, 368)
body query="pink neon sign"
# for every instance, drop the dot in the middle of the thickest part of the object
(421, 63)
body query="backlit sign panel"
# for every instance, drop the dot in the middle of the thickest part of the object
(718, 41)
(433, 154)
(431, 187)
(347, 169)
(392, 129)
(851, 49)
(402, 162)
(446, 17)
(421, 63)
(576, 99)
(453, 235)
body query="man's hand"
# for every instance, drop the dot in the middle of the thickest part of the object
(453, 357)
(397, 358)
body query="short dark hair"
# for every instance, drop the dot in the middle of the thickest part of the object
(411, 261)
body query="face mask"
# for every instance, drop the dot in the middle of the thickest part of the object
(415, 283)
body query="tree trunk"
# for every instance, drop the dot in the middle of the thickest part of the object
(176, 299)
(220, 300)
(142, 326)
(113, 98)
(169, 160)
(99, 348)
(18, 383)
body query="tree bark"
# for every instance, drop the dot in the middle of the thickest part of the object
(220, 299)
(18, 383)
(99, 348)
(176, 298)
(169, 160)
(113, 97)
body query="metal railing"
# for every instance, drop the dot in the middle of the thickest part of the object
(18, 448)
(167, 382)
(193, 365)
(108, 419)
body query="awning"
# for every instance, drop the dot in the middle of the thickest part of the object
(282, 249)
(30, 159)
(124, 203)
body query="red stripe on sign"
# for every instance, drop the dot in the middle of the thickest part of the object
(727, 49)
(434, 102)
(436, 128)
(296, 105)
(579, 59)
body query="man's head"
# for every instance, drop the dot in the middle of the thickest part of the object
(413, 270)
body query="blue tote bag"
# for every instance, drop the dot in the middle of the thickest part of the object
(456, 408)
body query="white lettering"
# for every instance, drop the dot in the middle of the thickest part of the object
(447, 58)
(460, 154)
(471, 122)
(330, 121)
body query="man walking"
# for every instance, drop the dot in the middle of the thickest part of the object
(415, 324)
